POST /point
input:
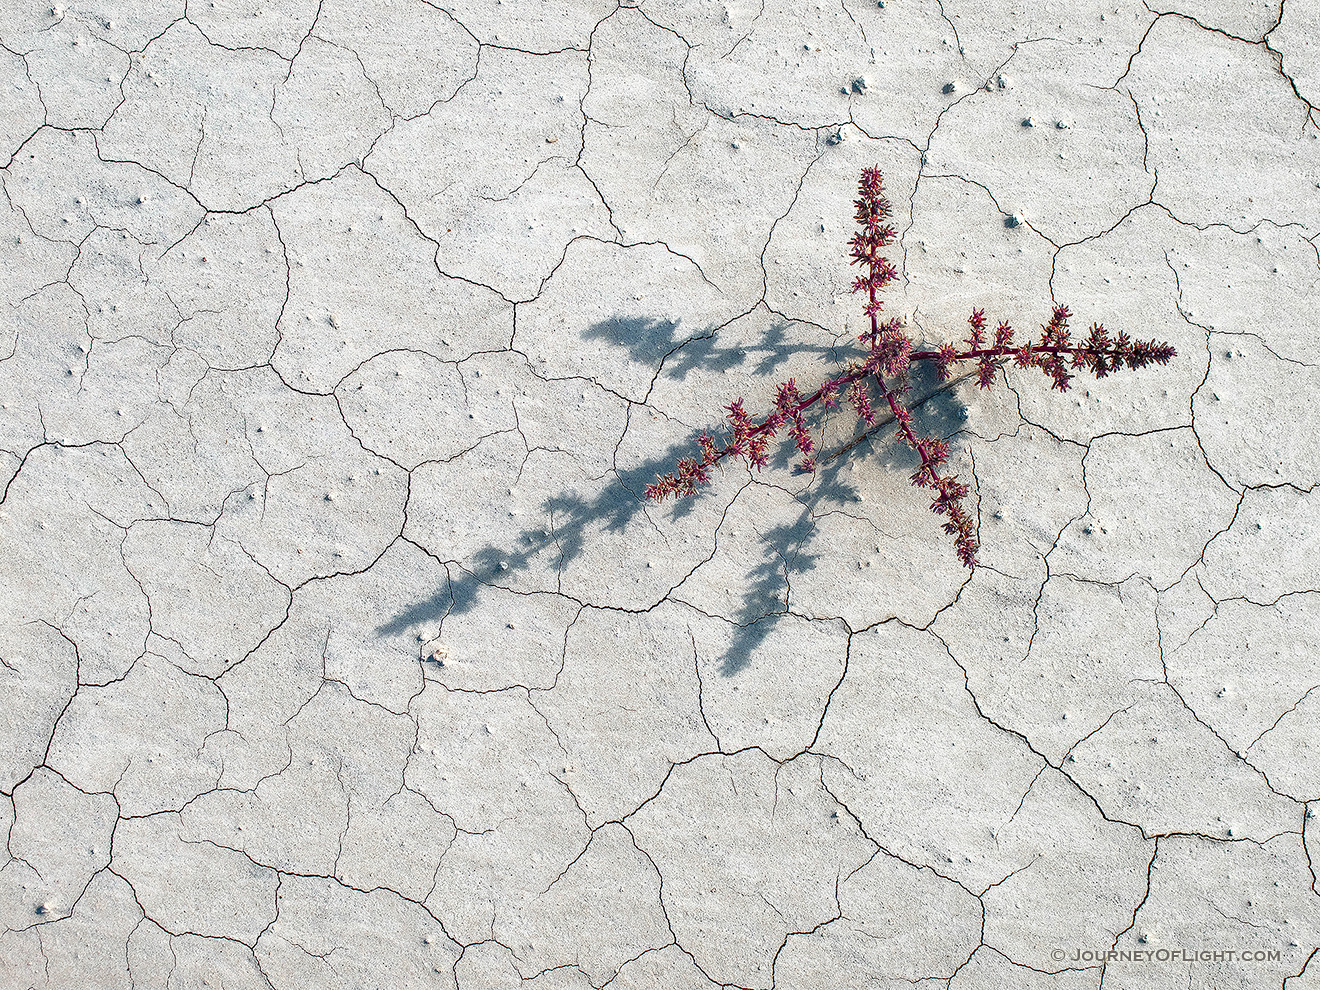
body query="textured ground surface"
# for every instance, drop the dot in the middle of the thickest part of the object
(338, 649)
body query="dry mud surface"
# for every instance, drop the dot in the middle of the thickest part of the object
(338, 650)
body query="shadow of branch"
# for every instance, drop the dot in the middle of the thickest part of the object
(652, 341)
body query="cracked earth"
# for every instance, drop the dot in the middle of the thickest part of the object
(338, 648)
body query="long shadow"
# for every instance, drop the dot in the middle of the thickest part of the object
(764, 600)
(617, 504)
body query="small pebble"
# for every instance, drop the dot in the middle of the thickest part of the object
(1029, 122)
(1013, 220)
(950, 87)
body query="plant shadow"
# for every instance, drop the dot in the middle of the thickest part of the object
(649, 340)
(765, 600)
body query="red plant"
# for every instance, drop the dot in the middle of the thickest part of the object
(889, 355)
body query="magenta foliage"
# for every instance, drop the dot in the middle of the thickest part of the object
(889, 354)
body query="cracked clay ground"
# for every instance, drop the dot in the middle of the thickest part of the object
(338, 650)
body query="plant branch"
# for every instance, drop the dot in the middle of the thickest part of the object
(889, 355)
